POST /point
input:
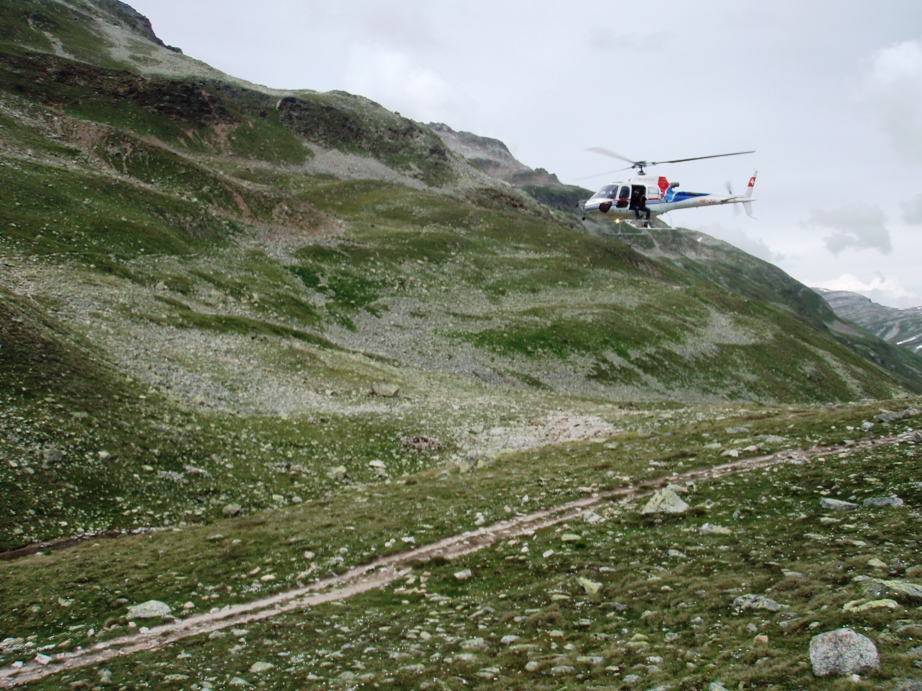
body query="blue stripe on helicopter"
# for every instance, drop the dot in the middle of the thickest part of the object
(682, 196)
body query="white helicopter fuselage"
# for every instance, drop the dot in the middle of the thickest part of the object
(654, 193)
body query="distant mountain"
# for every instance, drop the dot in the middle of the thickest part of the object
(902, 327)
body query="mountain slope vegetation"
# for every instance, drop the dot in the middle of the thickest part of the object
(252, 338)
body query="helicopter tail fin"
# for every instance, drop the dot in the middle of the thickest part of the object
(751, 185)
(747, 205)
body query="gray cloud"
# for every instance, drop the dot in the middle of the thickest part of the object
(912, 211)
(410, 24)
(893, 92)
(857, 226)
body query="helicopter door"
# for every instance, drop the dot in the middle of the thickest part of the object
(624, 194)
(636, 192)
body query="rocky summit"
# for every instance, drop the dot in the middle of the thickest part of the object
(298, 393)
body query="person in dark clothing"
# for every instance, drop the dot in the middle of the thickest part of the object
(642, 206)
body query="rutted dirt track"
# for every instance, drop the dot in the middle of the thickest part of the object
(385, 570)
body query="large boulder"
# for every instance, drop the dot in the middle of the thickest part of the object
(665, 501)
(842, 652)
(898, 590)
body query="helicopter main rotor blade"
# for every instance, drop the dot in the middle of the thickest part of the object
(700, 158)
(612, 154)
(598, 175)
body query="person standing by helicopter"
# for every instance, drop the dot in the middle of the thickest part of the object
(642, 206)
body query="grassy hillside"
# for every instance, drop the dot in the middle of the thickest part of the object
(250, 338)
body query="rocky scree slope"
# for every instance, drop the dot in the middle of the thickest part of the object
(742, 274)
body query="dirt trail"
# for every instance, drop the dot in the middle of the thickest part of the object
(384, 570)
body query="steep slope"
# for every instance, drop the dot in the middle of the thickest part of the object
(742, 274)
(901, 327)
(237, 254)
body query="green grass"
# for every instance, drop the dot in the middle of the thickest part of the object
(661, 596)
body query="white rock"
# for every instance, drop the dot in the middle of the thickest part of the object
(837, 505)
(665, 501)
(591, 587)
(711, 529)
(149, 610)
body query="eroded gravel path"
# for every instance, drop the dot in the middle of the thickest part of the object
(384, 570)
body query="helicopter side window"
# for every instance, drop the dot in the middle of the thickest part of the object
(624, 196)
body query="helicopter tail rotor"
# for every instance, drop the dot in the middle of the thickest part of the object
(736, 209)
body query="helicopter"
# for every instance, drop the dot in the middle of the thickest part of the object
(652, 195)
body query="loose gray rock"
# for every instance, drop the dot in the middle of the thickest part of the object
(173, 476)
(338, 473)
(232, 509)
(710, 529)
(384, 390)
(562, 670)
(665, 501)
(757, 602)
(897, 590)
(842, 652)
(52, 455)
(474, 644)
(837, 505)
(907, 685)
(883, 501)
(591, 517)
(149, 610)
(422, 443)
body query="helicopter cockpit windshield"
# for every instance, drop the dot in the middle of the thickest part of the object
(607, 192)
(612, 192)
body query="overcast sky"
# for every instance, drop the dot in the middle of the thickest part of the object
(829, 93)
